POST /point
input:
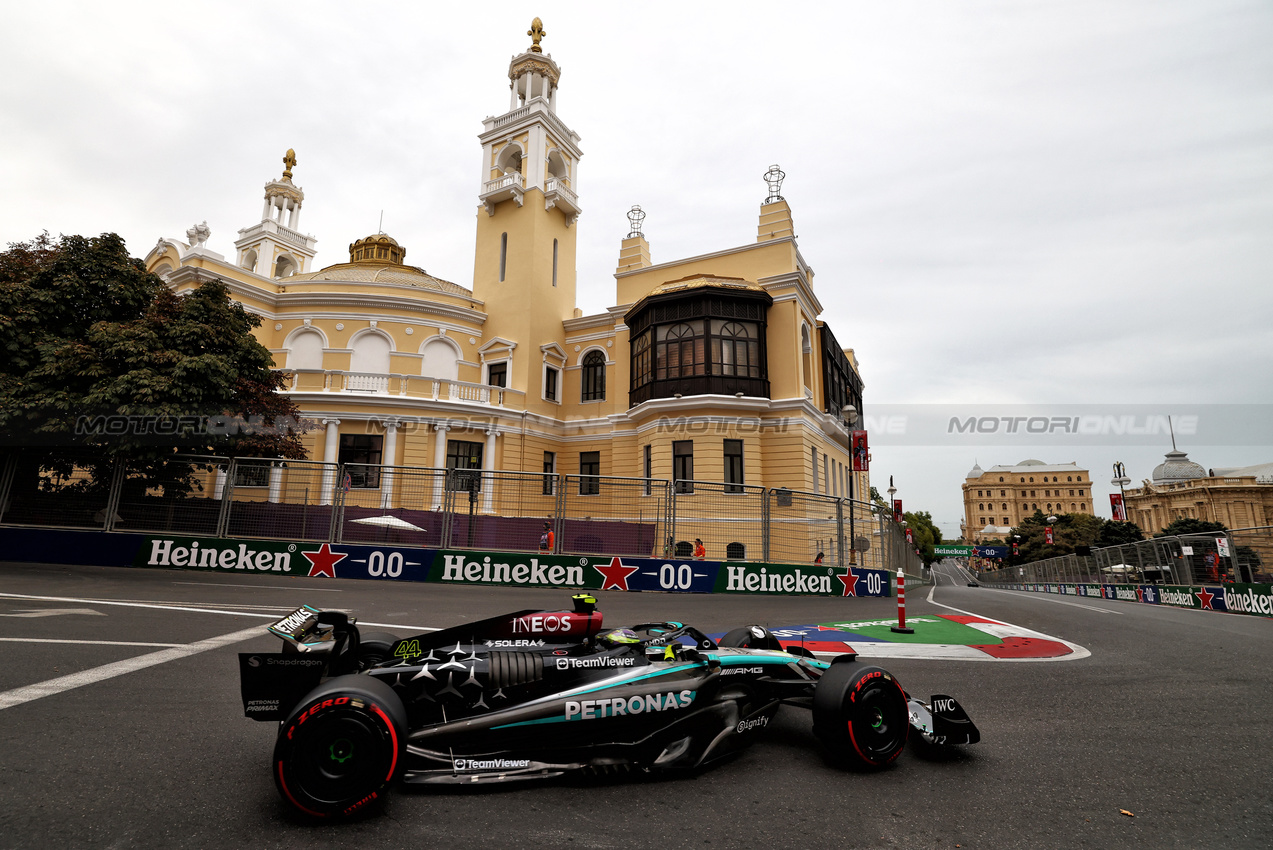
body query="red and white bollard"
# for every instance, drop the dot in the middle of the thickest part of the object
(901, 606)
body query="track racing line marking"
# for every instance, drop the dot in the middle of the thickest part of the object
(18, 696)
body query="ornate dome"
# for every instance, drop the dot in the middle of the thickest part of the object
(378, 259)
(976, 471)
(1031, 462)
(379, 248)
(1177, 467)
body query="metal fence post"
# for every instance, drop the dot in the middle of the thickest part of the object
(227, 496)
(113, 497)
(6, 482)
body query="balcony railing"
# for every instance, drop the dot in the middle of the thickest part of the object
(402, 386)
(499, 184)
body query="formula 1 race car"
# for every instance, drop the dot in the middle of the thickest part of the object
(537, 694)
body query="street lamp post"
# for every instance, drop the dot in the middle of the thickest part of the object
(1052, 525)
(1120, 478)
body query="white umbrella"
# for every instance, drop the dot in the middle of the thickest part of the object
(389, 521)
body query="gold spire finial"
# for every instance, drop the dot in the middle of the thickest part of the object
(536, 32)
(289, 161)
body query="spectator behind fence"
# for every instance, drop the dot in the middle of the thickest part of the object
(700, 551)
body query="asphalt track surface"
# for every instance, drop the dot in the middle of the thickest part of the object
(121, 726)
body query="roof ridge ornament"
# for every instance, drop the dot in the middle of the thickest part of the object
(635, 218)
(773, 178)
(289, 162)
(536, 32)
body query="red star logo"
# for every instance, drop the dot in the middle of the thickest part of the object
(1205, 596)
(616, 575)
(324, 561)
(850, 582)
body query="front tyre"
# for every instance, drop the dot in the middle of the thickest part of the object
(341, 748)
(860, 714)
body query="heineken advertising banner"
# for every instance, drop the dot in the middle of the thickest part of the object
(393, 563)
(1235, 598)
(958, 551)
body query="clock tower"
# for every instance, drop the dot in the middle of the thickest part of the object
(524, 269)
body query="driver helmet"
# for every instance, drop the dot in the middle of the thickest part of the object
(619, 637)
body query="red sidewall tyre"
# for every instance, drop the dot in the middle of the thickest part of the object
(341, 748)
(861, 715)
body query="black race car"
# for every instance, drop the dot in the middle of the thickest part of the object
(537, 694)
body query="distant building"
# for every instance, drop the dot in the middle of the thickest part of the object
(998, 499)
(1236, 497)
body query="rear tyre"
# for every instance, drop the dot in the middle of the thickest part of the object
(341, 748)
(751, 637)
(374, 647)
(860, 714)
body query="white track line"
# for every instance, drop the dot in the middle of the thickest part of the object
(261, 586)
(1059, 601)
(159, 607)
(18, 696)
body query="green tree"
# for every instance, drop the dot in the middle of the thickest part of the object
(89, 333)
(1189, 525)
(1114, 533)
(924, 532)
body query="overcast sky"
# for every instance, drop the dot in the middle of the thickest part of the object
(1003, 202)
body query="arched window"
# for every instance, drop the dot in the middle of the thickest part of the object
(441, 360)
(735, 349)
(249, 260)
(642, 361)
(284, 267)
(735, 551)
(684, 549)
(679, 351)
(305, 351)
(594, 376)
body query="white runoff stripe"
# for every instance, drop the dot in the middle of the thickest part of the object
(89, 642)
(1043, 598)
(18, 696)
(272, 616)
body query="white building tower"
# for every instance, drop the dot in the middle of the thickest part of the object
(274, 247)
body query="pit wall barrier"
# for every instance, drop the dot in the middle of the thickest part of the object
(1256, 599)
(450, 566)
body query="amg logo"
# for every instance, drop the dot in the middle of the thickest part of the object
(729, 671)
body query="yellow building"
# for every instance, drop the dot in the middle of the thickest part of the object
(1237, 497)
(715, 367)
(998, 499)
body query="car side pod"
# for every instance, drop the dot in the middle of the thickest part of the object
(942, 722)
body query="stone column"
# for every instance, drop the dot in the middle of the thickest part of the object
(488, 465)
(331, 454)
(439, 462)
(276, 481)
(387, 460)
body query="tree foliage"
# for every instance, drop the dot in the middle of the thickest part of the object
(1069, 531)
(924, 532)
(1189, 525)
(88, 333)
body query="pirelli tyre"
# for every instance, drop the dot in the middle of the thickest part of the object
(341, 747)
(860, 715)
(751, 637)
(374, 647)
